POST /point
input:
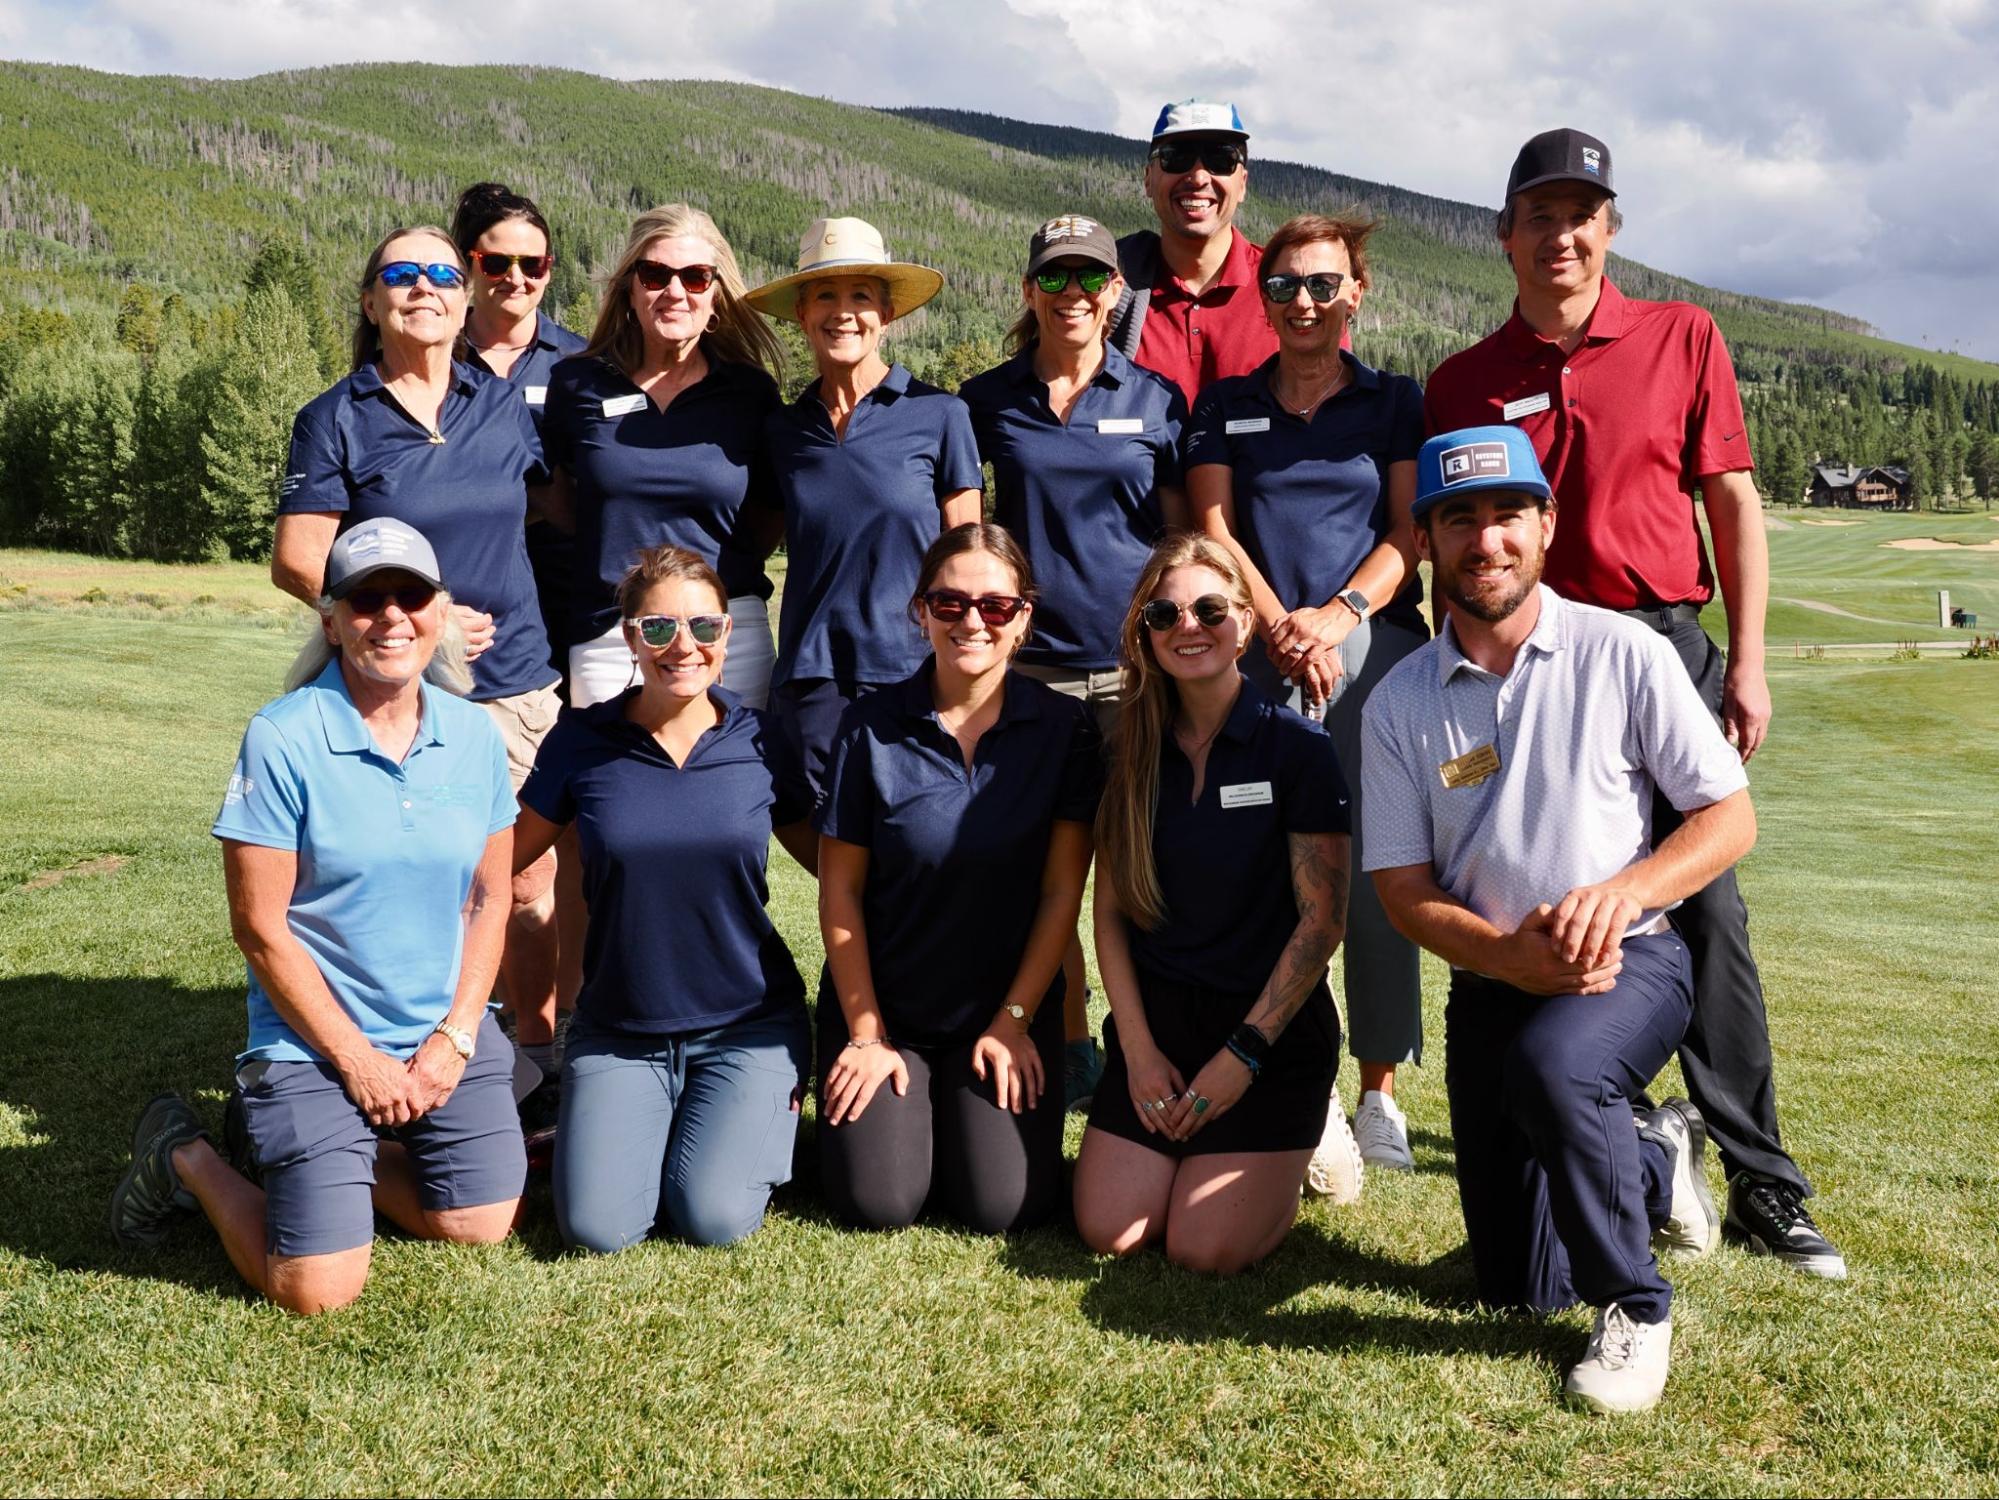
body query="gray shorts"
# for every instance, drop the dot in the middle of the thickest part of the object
(317, 1151)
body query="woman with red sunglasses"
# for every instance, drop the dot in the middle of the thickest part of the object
(954, 845)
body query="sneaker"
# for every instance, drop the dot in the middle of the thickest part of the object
(149, 1197)
(1692, 1226)
(1625, 1366)
(1082, 1067)
(1383, 1132)
(1336, 1168)
(1771, 1217)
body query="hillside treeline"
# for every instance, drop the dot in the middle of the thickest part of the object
(181, 254)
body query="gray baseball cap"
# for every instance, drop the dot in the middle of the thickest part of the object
(383, 545)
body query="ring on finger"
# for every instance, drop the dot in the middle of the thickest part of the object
(1200, 1104)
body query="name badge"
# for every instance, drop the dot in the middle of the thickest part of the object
(1120, 424)
(1526, 406)
(618, 406)
(1247, 794)
(1469, 769)
(537, 394)
(1247, 424)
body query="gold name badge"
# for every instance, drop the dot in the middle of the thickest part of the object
(1471, 768)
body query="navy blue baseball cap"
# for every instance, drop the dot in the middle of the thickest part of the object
(1477, 458)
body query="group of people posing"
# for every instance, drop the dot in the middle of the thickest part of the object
(541, 743)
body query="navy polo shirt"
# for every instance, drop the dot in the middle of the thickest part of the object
(955, 858)
(1225, 861)
(1311, 498)
(535, 367)
(674, 865)
(355, 451)
(858, 514)
(1082, 499)
(642, 476)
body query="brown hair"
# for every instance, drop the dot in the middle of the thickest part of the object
(1349, 228)
(1148, 699)
(739, 335)
(367, 337)
(659, 564)
(973, 536)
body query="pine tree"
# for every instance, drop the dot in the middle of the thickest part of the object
(1981, 466)
(268, 371)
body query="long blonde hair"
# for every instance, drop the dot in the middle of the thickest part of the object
(447, 668)
(739, 334)
(1148, 700)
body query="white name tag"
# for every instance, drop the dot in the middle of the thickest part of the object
(618, 406)
(1247, 794)
(1120, 424)
(1247, 424)
(537, 394)
(1526, 406)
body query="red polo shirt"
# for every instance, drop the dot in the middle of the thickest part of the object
(1195, 341)
(1624, 426)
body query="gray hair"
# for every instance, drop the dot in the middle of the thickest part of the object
(447, 667)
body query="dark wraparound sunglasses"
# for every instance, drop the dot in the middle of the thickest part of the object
(1162, 615)
(1324, 286)
(658, 631)
(950, 606)
(494, 265)
(1092, 279)
(654, 275)
(405, 273)
(410, 598)
(1220, 158)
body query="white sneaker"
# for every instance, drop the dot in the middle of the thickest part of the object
(1692, 1226)
(1625, 1366)
(1335, 1170)
(1383, 1131)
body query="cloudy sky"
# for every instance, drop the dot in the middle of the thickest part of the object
(1835, 152)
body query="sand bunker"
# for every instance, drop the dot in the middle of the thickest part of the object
(1931, 544)
(1829, 521)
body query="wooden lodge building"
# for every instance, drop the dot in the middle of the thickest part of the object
(1883, 487)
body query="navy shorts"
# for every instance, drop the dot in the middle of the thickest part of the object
(317, 1151)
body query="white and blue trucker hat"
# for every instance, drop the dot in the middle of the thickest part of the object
(1199, 117)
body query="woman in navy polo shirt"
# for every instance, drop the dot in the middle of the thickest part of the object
(1305, 469)
(1084, 446)
(681, 1078)
(365, 840)
(954, 846)
(655, 435)
(1221, 894)
(871, 465)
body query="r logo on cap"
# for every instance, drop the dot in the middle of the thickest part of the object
(1476, 461)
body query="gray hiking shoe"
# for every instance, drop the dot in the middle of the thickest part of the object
(149, 1197)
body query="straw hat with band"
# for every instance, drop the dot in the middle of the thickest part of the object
(847, 247)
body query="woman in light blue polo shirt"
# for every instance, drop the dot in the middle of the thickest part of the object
(367, 836)
(1305, 469)
(871, 465)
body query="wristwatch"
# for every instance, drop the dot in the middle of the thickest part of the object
(458, 1036)
(1354, 600)
(1018, 1012)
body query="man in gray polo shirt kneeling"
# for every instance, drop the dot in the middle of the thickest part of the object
(1508, 785)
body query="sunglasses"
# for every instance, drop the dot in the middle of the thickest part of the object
(1221, 159)
(494, 265)
(1323, 286)
(1162, 615)
(410, 599)
(653, 276)
(658, 631)
(1092, 280)
(950, 605)
(440, 274)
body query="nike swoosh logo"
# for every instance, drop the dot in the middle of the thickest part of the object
(1729, 437)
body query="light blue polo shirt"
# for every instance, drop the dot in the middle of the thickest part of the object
(1596, 712)
(386, 852)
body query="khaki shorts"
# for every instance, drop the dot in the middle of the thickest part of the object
(524, 721)
(1098, 689)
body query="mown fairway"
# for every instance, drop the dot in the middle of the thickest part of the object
(815, 1360)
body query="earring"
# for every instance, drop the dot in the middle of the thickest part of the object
(713, 322)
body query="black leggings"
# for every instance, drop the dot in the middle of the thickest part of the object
(945, 1140)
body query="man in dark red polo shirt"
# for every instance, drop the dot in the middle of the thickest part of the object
(1632, 408)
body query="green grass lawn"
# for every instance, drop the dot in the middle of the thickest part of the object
(811, 1359)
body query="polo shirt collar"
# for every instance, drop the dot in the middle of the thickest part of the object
(542, 339)
(1249, 707)
(916, 701)
(1363, 377)
(1606, 321)
(1114, 372)
(609, 713)
(1550, 634)
(340, 720)
(367, 381)
(892, 386)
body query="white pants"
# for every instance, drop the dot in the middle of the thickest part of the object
(605, 667)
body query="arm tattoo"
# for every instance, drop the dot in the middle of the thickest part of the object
(1319, 884)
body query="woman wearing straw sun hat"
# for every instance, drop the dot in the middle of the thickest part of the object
(872, 465)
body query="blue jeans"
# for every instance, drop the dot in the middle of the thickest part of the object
(683, 1135)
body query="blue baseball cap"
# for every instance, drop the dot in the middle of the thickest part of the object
(1477, 458)
(1199, 117)
(383, 545)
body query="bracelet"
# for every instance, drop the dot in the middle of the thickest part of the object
(1250, 1044)
(1255, 1067)
(875, 1041)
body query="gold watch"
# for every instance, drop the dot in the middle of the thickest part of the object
(458, 1036)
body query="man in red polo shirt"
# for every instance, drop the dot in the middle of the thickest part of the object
(1632, 408)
